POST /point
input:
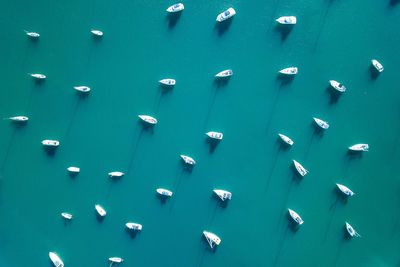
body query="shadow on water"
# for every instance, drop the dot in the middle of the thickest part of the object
(80, 97)
(220, 203)
(99, 217)
(353, 155)
(393, 3)
(284, 80)
(283, 31)
(373, 73)
(212, 144)
(220, 82)
(132, 233)
(172, 19)
(50, 150)
(163, 199)
(222, 27)
(334, 95)
(135, 146)
(164, 90)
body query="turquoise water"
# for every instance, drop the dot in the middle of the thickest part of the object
(101, 133)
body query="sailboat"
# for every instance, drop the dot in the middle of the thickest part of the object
(212, 239)
(56, 259)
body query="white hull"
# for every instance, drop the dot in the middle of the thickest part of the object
(289, 71)
(287, 20)
(32, 34)
(345, 190)
(215, 135)
(169, 82)
(53, 143)
(229, 13)
(286, 139)
(115, 260)
(83, 89)
(223, 194)
(19, 118)
(164, 192)
(134, 226)
(116, 174)
(188, 160)
(351, 231)
(38, 76)
(56, 259)
(296, 217)
(148, 119)
(337, 86)
(100, 210)
(74, 169)
(378, 66)
(224, 73)
(323, 124)
(97, 32)
(359, 147)
(212, 239)
(176, 8)
(66, 216)
(300, 169)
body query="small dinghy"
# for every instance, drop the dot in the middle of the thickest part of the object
(67, 216)
(82, 88)
(148, 119)
(51, 143)
(300, 169)
(32, 34)
(229, 13)
(378, 66)
(323, 124)
(215, 135)
(188, 160)
(134, 226)
(296, 217)
(175, 8)
(345, 190)
(18, 119)
(97, 33)
(116, 174)
(337, 86)
(287, 20)
(223, 194)
(359, 147)
(73, 169)
(37, 76)
(168, 82)
(224, 73)
(289, 71)
(164, 192)
(350, 230)
(212, 239)
(56, 259)
(100, 210)
(115, 260)
(286, 139)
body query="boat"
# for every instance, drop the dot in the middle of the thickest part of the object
(300, 169)
(359, 147)
(164, 192)
(53, 143)
(377, 65)
(67, 216)
(97, 33)
(82, 88)
(337, 86)
(188, 160)
(18, 118)
(100, 210)
(134, 226)
(215, 135)
(32, 34)
(74, 169)
(351, 231)
(38, 76)
(176, 8)
(167, 81)
(345, 190)
(296, 217)
(289, 71)
(148, 119)
(286, 139)
(56, 259)
(212, 239)
(323, 124)
(291, 20)
(229, 13)
(116, 174)
(115, 260)
(223, 194)
(224, 73)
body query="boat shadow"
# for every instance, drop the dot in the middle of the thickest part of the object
(187, 167)
(334, 95)
(292, 225)
(340, 198)
(393, 3)
(50, 150)
(283, 31)
(220, 203)
(282, 146)
(166, 89)
(222, 27)
(208, 248)
(72, 175)
(99, 218)
(146, 127)
(172, 19)
(352, 155)
(212, 144)
(284, 80)
(373, 73)
(317, 131)
(132, 233)
(163, 199)
(220, 82)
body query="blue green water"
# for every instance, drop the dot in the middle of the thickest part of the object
(100, 133)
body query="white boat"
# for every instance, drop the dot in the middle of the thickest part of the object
(176, 8)
(18, 118)
(359, 147)
(115, 260)
(134, 226)
(38, 76)
(378, 66)
(337, 86)
(164, 192)
(74, 169)
(300, 169)
(351, 231)
(116, 174)
(230, 12)
(50, 143)
(286, 139)
(67, 216)
(82, 88)
(56, 259)
(296, 217)
(167, 81)
(100, 210)
(223, 194)
(148, 119)
(212, 239)
(188, 160)
(97, 32)
(287, 20)
(323, 124)
(345, 190)
(32, 34)
(215, 135)
(289, 71)
(224, 73)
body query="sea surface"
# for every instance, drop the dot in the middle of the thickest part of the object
(333, 39)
